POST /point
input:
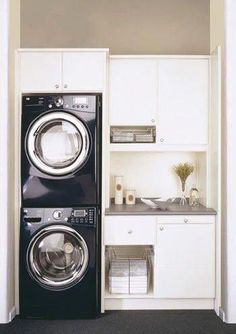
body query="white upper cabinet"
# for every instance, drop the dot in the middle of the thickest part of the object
(133, 91)
(49, 71)
(186, 259)
(84, 71)
(40, 71)
(183, 101)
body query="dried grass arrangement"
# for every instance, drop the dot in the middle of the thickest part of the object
(183, 170)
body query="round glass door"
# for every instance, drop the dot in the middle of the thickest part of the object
(57, 257)
(58, 143)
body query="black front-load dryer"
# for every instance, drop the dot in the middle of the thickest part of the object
(59, 263)
(61, 150)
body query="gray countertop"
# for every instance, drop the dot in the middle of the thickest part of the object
(143, 209)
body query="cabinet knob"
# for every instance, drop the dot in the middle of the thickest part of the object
(185, 220)
(65, 86)
(56, 86)
(161, 140)
(153, 120)
(161, 228)
(130, 232)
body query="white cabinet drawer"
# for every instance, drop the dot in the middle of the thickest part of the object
(186, 219)
(129, 230)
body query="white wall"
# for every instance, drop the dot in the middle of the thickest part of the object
(9, 40)
(125, 27)
(4, 232)
(230, 104)
(152, 175)
(222, 32)
(217, 37)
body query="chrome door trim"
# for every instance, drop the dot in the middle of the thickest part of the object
(35, 129)
(34, 271)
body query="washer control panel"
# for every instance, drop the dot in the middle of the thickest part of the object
(83, 216)
(80, 216)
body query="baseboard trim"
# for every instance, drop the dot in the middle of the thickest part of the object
(222, 314)
(12, 314)
(158, 304)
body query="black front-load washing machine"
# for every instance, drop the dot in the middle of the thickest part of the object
(59, 263)
(61, 150)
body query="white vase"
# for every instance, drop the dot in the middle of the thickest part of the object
(119, 190)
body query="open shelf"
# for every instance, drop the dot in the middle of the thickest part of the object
(155, 147)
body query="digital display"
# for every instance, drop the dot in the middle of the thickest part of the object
(80, 100)
(79, 213)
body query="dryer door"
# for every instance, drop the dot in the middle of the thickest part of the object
(57, 257)
(58, 143)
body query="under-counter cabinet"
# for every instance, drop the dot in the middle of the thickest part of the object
(130, 239)
(186, 257)
(133, 92)
(183, 248)
(55, 71)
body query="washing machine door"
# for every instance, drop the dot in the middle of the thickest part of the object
(57, 257)
(58, 143)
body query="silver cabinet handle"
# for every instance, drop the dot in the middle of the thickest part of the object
(161, 140)
(153, 120)
(185, 220)
(161, 228)
(65, 86)
(130, 232)
(56, 86)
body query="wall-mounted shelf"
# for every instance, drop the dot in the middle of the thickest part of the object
(155, 147)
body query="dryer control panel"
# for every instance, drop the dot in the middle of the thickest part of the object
(79, 102)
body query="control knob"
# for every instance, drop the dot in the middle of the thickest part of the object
(57, 214)
(59, 101)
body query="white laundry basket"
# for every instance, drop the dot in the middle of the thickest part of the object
(128, 274)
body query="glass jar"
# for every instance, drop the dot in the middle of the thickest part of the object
(194, 198)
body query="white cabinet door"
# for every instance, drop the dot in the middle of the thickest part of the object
(84, 71)
(133, 91)
(183, 101)
(185, 261)
(40, 71)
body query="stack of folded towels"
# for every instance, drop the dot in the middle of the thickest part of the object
(138, 276)
(128, 276)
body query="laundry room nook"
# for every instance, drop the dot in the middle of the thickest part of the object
(81, 151)
(116, 167)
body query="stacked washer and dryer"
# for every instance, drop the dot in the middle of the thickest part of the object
(61, 202)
